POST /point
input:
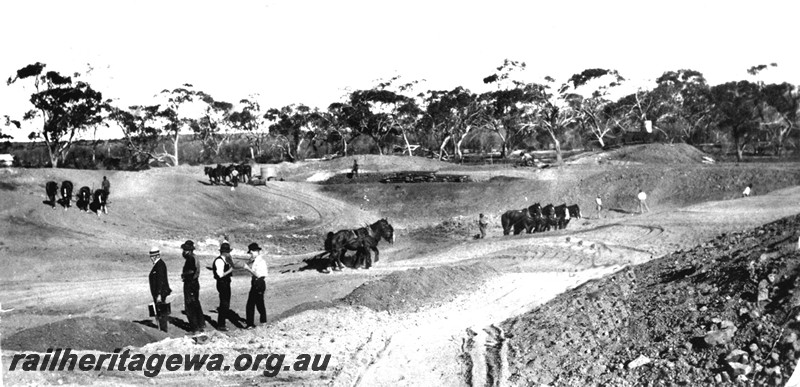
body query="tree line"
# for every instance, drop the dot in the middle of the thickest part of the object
(393, 116)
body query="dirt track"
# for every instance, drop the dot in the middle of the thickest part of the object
(291, 215)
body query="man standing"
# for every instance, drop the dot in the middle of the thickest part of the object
(642, 202)
(191, 288)
(482, 224)
(355, 168)
(223, 268)
(599, 202)
(159, 288)
(106, 185)
(255, 300)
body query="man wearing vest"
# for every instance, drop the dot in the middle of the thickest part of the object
(223, 268)
(191, 288)
(258, 286)
(159, 288)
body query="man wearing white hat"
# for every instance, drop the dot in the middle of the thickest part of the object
(159, 288)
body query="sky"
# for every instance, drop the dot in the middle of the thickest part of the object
(314, 51)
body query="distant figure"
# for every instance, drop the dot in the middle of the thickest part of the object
(51, 188)
(355, 168)
(191, 288)
(234, 179)
(159, 288)
(106, 185)
(642, 202)
(746, 192)
(482, 223)
(599, 202)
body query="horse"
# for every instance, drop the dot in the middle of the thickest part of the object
(211, 172)
(51, 189)
(84, 197)
(574, 211)
(339, 242)
(535, 212)
(99, 203)
(549, 217)
(245, 172)
(66, 194)
(562, 216)
(518, 219)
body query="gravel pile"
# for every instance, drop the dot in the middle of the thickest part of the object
(725, 311)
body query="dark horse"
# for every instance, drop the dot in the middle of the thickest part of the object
(84, 197)
(99, 203)
(518, 220)
(66, 194)
(52, 189)
(339, 242)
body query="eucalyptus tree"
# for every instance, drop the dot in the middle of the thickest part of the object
(66, 106)
(736, 109)
(248, 119)
(594, 112)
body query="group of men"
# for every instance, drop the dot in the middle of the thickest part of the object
(222, 269)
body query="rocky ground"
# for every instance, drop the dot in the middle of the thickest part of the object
(723, 311)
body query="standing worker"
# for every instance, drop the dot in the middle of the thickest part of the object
(255, 300)
(191, 288)
(234, 179)
(599, 202)
(106, 185)
(746, 192)
(223, 269)
(642, 201)
(355, 168)
(159, 288)
(482, 223)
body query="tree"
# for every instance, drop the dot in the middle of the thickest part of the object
(141, 128)
(779, 112)
(450, 116)
(684, 113)
(594, 112)
(295, 124)
(250, 119)
(215, 127)
(736, 109)
(169, 117)
(66, 107)
(7, 123)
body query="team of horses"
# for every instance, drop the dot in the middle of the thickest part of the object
(86, 200)
(364, 241)
(536, 218)
(223, 174)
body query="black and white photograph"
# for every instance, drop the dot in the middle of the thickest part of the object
(399, 193)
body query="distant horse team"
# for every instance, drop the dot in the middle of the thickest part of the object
(86, 200)
(539, 219)
(229, 174)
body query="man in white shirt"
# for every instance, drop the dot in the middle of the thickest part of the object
(746, 192)
(255, 300)
(642, 202)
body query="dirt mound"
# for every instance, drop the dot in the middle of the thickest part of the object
(412, 289)
(87, 333)
(643, 154)
(724, 310)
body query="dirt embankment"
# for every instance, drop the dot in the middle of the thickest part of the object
(724, 310)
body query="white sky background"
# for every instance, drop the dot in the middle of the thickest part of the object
(312, 51)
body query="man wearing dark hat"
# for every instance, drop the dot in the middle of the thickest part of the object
(223, 268)
(258, 286)
(159, 288)
(191, 288)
